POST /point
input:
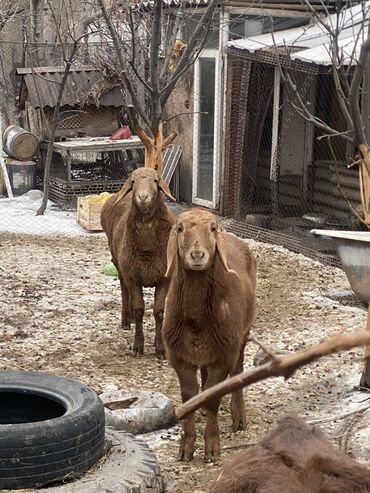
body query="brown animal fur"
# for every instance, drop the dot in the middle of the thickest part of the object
(293, 458)
(209, 310)
(138, 223)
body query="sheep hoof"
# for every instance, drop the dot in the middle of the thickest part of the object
(160, 355)
(159, 352)
(184, 455)
(239, 424)
(212, 449)
(138, 348)
(126, 326)
(211, 457)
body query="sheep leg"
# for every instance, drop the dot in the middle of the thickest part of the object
(158, 309)
(203, 375)
(189, 388)
(126, 305)
(237, 401)
(212, 445)
(137, 300)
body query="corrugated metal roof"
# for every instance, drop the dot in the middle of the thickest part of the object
(239, 3)
(148, 5)
(84, 86)
(314, 39)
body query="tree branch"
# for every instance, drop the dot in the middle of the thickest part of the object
(132, 62)
(270, 352)
(170, 44)
(155, 44)
(202, 28)
(117, 45)
(307, 115)
(169, 139)
(354, 98)
(302, 109)
(143, 136)
(354, 212)
(49, 151)
(284, 367)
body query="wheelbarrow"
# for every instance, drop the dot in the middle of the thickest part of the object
(354, 251)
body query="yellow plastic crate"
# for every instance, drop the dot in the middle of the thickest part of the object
(89, 209)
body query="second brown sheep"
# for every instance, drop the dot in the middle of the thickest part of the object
(138, 223)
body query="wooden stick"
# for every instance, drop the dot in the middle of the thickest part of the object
(6, 178)
(266, 349)
(367, 348)
(169, 139)
(284, 367)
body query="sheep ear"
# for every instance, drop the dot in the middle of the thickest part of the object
(221, 249)
(127, 187)
(171, 252)
(164, 187)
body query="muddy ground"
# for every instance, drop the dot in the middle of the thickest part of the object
(59, 313)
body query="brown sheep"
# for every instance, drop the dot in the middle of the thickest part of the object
(293, 458)
(209, 310)
(138, 223)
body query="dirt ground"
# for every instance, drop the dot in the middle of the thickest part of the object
(60, 314)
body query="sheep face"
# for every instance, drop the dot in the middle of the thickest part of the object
(195, 240)
(197, 243)
(145, 184)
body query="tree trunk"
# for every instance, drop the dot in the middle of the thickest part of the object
(365, 183)
(154, 153)
(364, 148)
(155, 146)
(49, 153)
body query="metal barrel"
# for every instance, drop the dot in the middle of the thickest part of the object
(20, 144)
(22, 176)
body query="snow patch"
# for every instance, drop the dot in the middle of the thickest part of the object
(18, 215)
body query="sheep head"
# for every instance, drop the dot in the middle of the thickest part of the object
(195, 240)
(145, 184)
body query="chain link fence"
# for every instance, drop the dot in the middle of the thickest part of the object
(92, 108)
(282, 179)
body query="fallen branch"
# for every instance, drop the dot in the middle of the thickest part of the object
(285, 367)
(340, 416)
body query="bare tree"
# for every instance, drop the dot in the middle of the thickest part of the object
(351, 74)
(8, 10)
(69, 44)
(166, 59)
(49, 153)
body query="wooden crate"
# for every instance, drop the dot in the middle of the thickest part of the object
(88, 214)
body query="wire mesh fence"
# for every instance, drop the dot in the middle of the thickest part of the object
(84, 160)
(281, 178)
(281, 175)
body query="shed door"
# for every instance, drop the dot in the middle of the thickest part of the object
(205, 153)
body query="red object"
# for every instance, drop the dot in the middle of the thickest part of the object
(122, 133)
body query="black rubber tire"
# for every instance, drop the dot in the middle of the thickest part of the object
(37, 453)
(129, 467)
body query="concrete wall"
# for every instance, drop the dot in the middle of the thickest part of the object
(181, 101)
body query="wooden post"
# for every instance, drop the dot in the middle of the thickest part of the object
(69, 167)
(6, 178)
(274, 167)
(4, 171)
(365, 378)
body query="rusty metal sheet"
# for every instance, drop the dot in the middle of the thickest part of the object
(43, 87)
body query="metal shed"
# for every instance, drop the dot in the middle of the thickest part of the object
(274, 164)
(89, 103)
